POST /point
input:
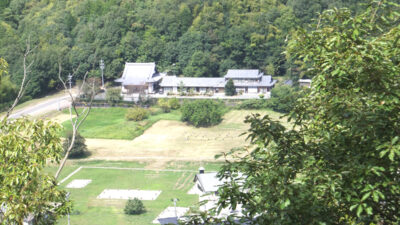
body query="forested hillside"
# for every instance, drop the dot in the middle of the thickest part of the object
(186, 37)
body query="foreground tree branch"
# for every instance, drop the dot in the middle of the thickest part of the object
(25, 150)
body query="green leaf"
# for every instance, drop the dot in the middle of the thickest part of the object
(395, 139)
(368, 210)
(375, 196)
(365, 196)
(359, 210)
(285, 204)
(353, 207)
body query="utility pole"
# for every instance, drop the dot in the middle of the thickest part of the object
(70, 80)
(67, 195)
(175, 200)
(102, 66)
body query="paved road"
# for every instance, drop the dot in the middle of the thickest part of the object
(44, 107)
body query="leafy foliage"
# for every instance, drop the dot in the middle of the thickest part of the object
(190, 37)
(253, 104)
(168, 104)
(202, 113)
(79, 150)
(113, 95)
(8, 90)
(25, 148)
(163, 103)
(339, 165)
(230, 89)
(174, 103)
(284, 97)
(134, 207)
(137, 114)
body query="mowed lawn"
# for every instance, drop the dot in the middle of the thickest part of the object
(110, 123)
(177, 140)
(89, 210)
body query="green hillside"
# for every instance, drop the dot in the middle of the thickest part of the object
(187, 37)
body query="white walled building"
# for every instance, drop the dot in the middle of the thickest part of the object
(144, 77)
(245, 81)
(139, 77)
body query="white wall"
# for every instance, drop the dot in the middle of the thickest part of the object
(252, 90)
(151, 88)
(123, 90)
(167, 89)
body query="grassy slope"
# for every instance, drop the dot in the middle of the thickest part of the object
(110, 123)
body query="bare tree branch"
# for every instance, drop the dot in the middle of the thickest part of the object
(79, 117)
(24, 82)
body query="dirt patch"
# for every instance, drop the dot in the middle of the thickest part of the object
(157, 164)
(169, 140)
(174, 140)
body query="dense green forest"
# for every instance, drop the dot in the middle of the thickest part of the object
(187, 37)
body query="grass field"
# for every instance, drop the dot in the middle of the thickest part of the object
(90, 210)
(167, 140)
(110, 123)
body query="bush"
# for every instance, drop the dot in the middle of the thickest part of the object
(202, 112)
(167, 104)
(284, 97)
(113, 95)
(230, 88)
(136, 114)
(134, 207)
(163, 103)
(79, 150)
(174, 103)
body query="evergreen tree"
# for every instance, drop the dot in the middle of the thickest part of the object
(79, 150)
(230, 89)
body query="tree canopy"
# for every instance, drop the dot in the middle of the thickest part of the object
(340, 163)
(187, 37)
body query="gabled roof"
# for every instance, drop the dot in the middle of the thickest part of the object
(266, 81)
(288, 82)
(137, 73)
(173, 81)
(208, 181)
(249, 74)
